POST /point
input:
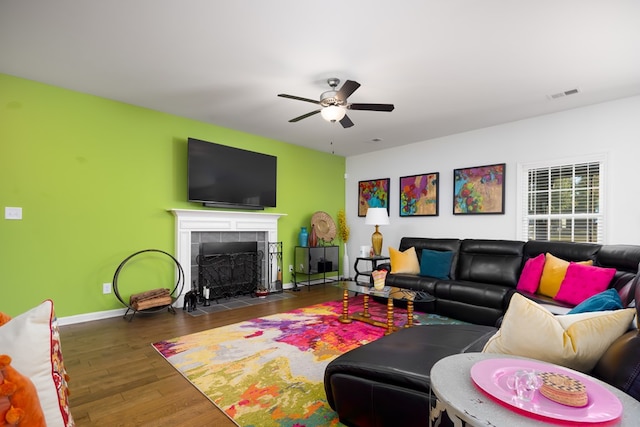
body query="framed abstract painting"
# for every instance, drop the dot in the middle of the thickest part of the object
(373, 193)
(419, 195)
(479, 190)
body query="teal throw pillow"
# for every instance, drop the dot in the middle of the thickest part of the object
(606, 300)
(435, 263)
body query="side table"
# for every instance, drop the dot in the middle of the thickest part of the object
(374, 260)
(466, 405)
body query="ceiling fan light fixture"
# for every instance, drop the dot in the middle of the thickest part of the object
(333, 113)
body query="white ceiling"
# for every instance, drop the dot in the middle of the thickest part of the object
(448, 66)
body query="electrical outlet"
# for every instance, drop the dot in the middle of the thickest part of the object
(291, 269)
(106, 288)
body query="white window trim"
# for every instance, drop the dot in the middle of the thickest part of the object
(522, 181)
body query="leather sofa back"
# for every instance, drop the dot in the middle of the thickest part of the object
(490, 261)
(568, 251)
(442, 245)
(625, 259)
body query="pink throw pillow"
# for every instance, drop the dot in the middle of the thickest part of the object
(531, 273)
(582, 282)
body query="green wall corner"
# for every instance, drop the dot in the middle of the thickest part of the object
(96, 178)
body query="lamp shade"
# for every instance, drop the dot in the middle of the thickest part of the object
(377, 216)
(333, 113)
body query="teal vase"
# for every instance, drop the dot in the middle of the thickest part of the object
(303, 237)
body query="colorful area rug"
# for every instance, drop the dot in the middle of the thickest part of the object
(269, 371)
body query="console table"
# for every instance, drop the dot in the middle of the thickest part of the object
(466, 405)
(322, 262)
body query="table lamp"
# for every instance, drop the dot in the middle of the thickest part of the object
(377, 217)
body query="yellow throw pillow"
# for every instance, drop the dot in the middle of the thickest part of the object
(576, 341)
(553, 273)
(404, 262)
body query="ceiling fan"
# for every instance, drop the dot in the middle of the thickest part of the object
(334, 103)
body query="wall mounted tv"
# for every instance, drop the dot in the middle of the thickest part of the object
(228, 177)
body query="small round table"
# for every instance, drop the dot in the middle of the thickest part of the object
(466, 405)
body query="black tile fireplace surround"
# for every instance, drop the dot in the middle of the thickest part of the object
(228, 269)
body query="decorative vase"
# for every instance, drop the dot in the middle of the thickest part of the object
(303, 237)
(345, 264)
(313, 237)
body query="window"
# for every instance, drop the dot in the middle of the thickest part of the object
(562, 201)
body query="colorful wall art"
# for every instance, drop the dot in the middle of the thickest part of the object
(479, 190)
(419, 195)
(373, 193)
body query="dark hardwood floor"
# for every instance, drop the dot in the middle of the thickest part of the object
(118, 379)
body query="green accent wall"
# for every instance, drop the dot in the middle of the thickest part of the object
(95, 179)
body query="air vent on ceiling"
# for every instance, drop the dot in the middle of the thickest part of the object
(565, 93)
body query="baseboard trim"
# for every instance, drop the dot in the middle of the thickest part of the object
(89, 317)
(108, 314)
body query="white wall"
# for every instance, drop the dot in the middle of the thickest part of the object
(612, 128)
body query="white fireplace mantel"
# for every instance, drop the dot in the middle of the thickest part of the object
(191, 220)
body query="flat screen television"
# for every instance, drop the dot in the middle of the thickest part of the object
(228, 177)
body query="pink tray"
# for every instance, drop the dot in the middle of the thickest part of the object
(491, 376)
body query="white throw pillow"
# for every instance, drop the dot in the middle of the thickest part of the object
(576, 341)
(33, 342)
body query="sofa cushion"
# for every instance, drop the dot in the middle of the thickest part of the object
(576, 341)
(531, 273)
(553, 274)
(404, 262)
(411, 281)
(485, 295)
(32, 341)
(582, 282)
(435, 263)
(606, 300)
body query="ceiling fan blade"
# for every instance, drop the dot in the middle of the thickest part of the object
(371, 107)
(347, 89)
(346, 122)
(298, 98)
(304, 116)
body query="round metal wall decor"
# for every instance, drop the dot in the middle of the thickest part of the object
(324, 226)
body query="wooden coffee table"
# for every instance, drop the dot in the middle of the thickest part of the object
(390, 293)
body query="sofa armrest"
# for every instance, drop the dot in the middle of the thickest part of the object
(620, 364)
(384, 266)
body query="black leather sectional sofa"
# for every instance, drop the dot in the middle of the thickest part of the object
(387, 382)
(484, 273)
